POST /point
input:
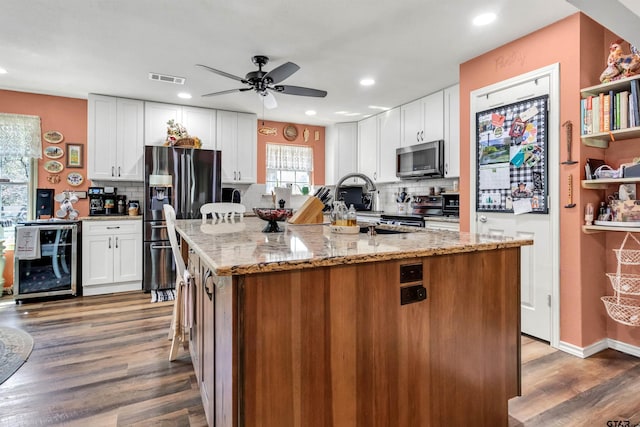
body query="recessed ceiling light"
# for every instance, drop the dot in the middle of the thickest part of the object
(184, 95)
(367, 82)
(352, 114)
(484, 19)
(377, 107)
(310, 113)
(3, 71)
(341, 112)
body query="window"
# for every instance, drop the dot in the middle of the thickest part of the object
(289, 165)
(20, 147)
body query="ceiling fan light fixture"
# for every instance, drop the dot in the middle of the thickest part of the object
(484, 19)
(367, 82)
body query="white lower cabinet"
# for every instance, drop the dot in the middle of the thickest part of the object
(111, 256)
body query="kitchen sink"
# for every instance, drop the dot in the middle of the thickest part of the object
(380, 230)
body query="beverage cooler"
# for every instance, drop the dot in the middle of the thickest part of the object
(46, 259)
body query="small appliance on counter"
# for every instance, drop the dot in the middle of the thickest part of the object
(105, 201)
(121, 204)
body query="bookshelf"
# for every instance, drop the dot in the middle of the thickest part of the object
(601, 139)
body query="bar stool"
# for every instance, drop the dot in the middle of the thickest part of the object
(177, 333)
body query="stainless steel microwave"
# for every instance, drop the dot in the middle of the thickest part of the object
(420, 160)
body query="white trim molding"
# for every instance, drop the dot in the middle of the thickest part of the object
(597, 347)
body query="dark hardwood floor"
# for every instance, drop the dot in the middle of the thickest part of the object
(99, 361)
(103, 361)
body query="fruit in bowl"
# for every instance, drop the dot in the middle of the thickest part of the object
(272, 216)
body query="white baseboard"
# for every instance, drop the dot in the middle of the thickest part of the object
(590, 350)
(110, 288)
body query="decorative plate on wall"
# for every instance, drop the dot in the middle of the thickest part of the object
(53, 166)
(74, 179)
(53, 152)
(53, 136)
(290, 132)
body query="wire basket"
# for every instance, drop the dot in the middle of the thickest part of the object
(625, 283)
(623, 310)
(628, 256)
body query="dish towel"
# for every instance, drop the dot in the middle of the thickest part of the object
(27, 243)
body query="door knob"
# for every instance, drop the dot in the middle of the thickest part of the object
(482, 218)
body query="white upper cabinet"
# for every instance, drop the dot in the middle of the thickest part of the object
(378, 138)
(368, 147)
(237, 138)
(388, 142)
(341, 146)
(199, 122)
(422, 120)
(452, 132)
(115, 148)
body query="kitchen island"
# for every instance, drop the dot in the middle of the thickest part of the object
(309, 328)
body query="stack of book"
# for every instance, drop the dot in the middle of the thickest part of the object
(611, 111)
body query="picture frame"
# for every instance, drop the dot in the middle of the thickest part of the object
(74, 156)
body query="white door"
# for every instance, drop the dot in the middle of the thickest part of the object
(538, 262)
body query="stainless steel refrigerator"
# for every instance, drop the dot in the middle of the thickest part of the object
(185, 178)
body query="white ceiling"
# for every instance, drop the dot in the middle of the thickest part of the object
(410, 47)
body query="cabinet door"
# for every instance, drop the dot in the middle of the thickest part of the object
(101, 153)
(368, 147)
(452, 132)
(156, 116)
(130, 140)
(97, 259)
(433, 117)
(207, 351)
(195, 333)
(247, 148)
(127, 262)
(388, 141)
(226, 139)
(412, 116)
(201, 122)
(346, 150)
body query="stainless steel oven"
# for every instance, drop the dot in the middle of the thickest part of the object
(46, 259)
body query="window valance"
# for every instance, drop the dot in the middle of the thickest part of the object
(20, 135)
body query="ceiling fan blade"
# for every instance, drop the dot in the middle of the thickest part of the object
(268, 100)
(222, 73)
(280, 73)
(302, 91)
(224, 92)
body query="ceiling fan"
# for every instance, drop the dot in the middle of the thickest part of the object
(262, 82)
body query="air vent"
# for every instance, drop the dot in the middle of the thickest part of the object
(167, 79)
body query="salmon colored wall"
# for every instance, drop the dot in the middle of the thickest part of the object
(576, 43)
(66, 115)
(278, 138)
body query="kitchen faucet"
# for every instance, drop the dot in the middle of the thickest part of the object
(370, 188)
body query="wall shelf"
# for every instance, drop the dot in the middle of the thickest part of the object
(602, 184)
(601, 139)
(592, 229)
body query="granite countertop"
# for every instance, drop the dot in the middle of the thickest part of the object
(242, 248)
(110, 217)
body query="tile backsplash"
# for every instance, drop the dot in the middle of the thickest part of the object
(253, 195)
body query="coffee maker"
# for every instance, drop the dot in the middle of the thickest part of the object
(96, 201)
